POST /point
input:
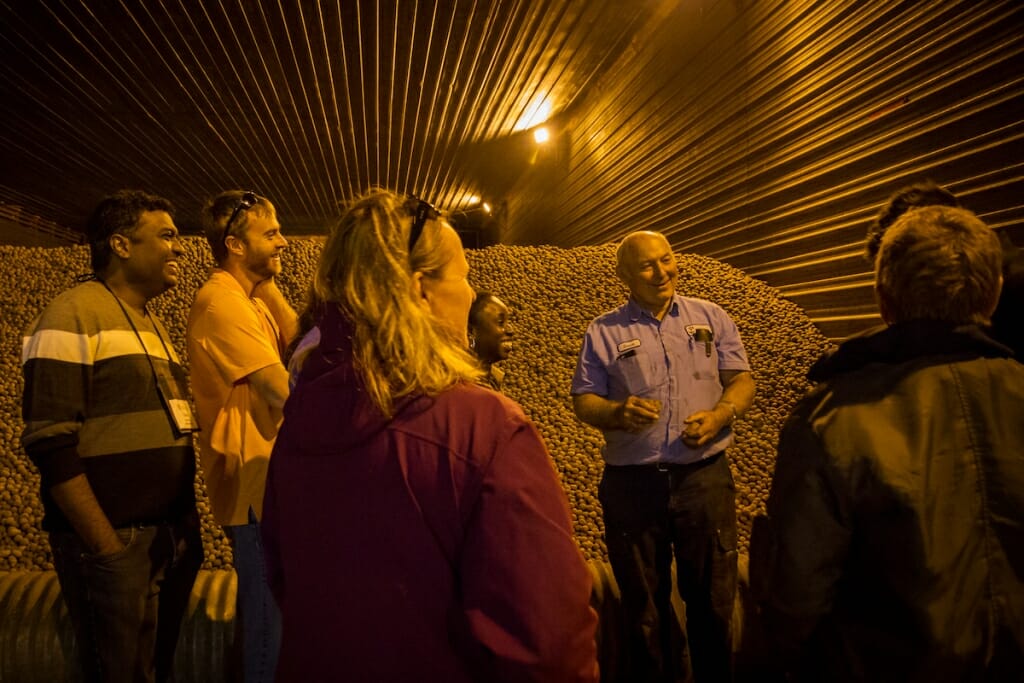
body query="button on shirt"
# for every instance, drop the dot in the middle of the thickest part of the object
(630, 352)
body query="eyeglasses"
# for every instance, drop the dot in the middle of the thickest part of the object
(245, 202)
(421, 212)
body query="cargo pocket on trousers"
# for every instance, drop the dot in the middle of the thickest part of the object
(723, 580)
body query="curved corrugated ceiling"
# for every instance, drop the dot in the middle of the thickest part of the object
(309, 102)
(765, 134)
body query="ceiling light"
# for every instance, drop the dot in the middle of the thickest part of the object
(536, 114)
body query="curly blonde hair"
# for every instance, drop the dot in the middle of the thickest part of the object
(366, 268)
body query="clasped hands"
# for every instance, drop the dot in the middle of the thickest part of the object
(636, 414)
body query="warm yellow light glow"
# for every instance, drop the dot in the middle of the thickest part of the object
(535, 114)
(487, 207)
(541, 135)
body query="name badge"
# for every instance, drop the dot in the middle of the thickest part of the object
(627, 345)
(178, 408)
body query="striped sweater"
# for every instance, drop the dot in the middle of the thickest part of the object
(91, 406)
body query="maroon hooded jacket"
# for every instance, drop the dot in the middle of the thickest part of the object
(434, 546)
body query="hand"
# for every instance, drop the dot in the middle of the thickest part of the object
(704, 425)
(266, 288)
(111, 546)
(636, 414)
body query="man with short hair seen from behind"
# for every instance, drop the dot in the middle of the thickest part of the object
(893, 542)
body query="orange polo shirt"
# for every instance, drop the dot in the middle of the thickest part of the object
(230, 336)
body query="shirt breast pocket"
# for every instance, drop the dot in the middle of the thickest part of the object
(705, 364)
(632, 374)
(705, 368)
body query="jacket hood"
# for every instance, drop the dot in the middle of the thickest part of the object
(904, 342)
(330, 409)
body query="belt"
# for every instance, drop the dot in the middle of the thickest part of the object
(667, 466)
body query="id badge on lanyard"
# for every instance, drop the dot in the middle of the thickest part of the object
(177, 406)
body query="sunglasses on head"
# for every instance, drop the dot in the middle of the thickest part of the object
(245, 202)
(421, 212)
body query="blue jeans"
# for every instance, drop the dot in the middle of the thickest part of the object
(257, 614)
(126, 609)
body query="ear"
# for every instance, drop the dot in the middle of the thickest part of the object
(119, 245)
(419, 289)
(234, 245)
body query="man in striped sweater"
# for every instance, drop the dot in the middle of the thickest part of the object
(108, 424)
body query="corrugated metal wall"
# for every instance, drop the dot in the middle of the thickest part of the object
(773, 143)
(37, 641)
(764, 133)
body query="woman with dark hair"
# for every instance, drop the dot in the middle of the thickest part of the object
(490, 335)
(414, 524)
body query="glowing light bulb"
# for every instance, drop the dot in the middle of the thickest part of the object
(536, 114)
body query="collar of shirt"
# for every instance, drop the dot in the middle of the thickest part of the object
(635, 311)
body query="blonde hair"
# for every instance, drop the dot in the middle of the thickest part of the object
(939, 263)
(218, 211)
(399, 347)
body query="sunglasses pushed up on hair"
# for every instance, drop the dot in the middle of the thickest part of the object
(421, 212)
(245, 202)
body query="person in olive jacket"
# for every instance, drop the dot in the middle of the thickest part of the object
(893, 546)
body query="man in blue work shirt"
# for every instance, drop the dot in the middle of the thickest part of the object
(664, 377)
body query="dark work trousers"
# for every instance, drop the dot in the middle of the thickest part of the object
(127, 608)
(652, 513)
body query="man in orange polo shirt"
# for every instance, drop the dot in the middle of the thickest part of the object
(238, 328)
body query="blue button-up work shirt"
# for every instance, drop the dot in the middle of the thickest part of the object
(630, 352)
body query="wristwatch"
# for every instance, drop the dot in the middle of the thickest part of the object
(732, 407)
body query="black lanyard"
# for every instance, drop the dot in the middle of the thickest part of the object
(139, 336)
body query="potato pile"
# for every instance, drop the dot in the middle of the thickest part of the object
(554, 294)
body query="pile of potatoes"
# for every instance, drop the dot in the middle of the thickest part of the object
(554, 293)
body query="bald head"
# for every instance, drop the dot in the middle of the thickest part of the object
(647, 266)
(634, 242)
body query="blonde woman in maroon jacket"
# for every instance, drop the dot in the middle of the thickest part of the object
(415, 527)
